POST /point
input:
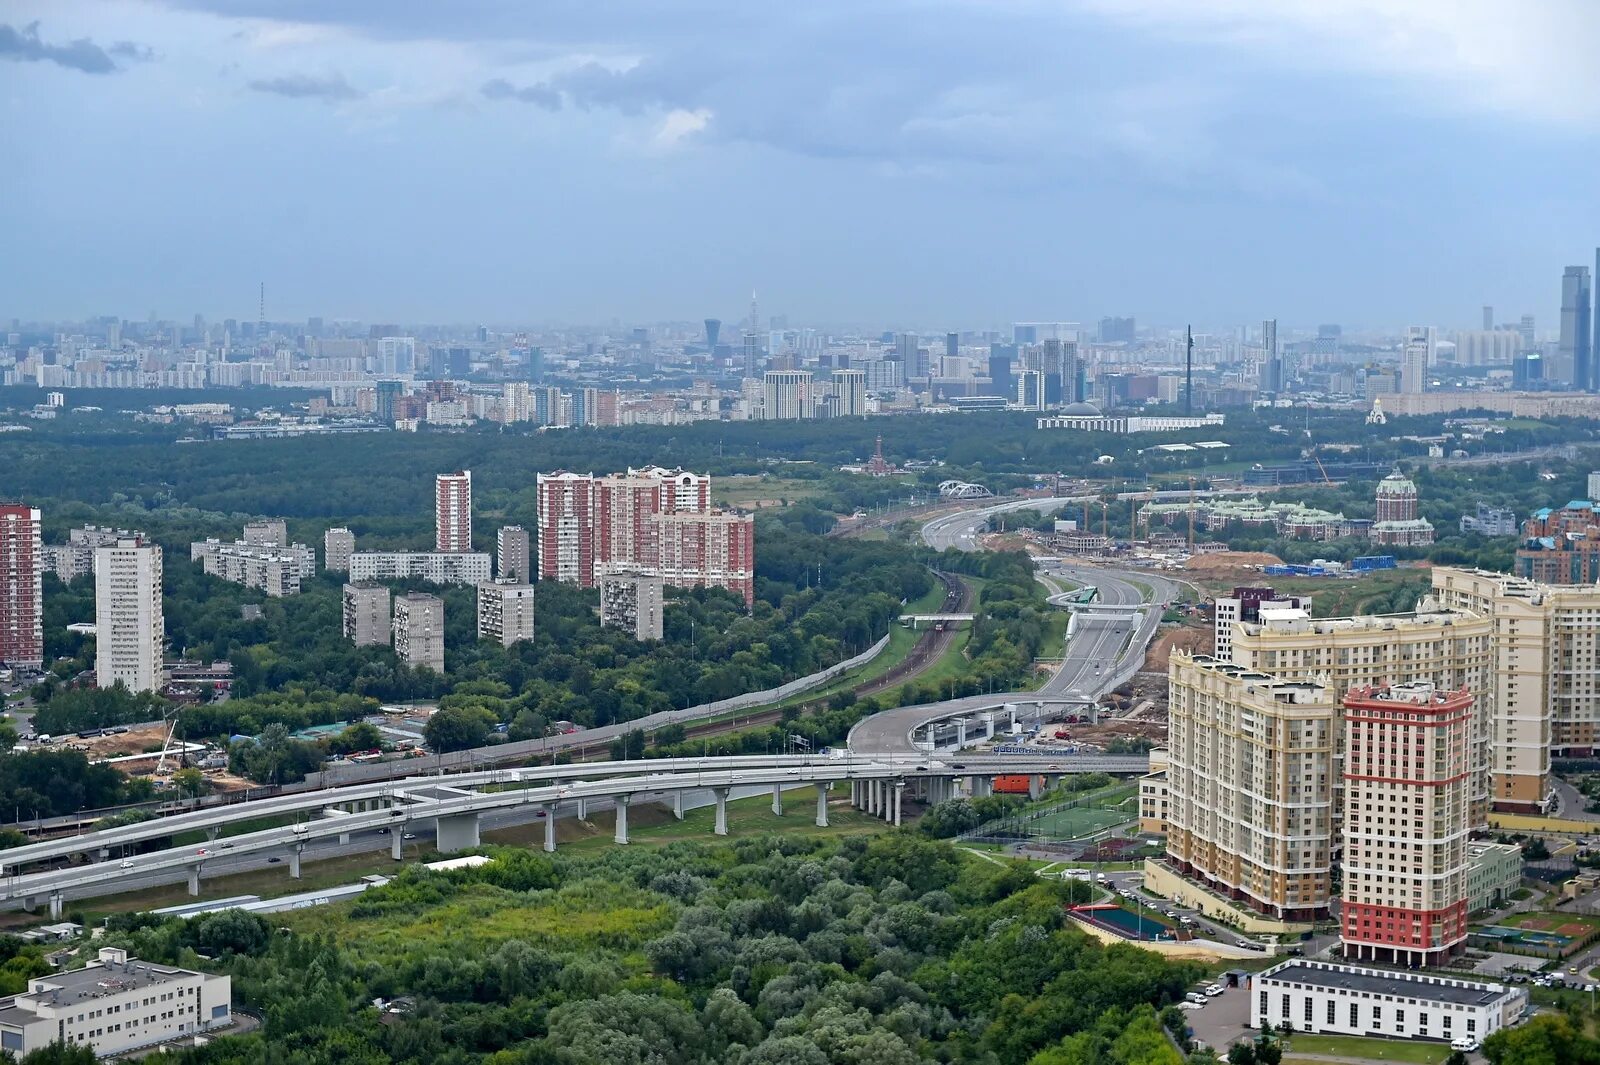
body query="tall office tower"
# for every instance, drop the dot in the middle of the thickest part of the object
(786, 394)
(1488, 311)
(952, 345)
(1573, 362)
(1414, 361)
(130, 630)
(452, 511)
(752, 355)
(1052, 359)
(1526, 370)
(397, 355)
(911, 354)
(1449, 648)
(1272, 362)
(367, 622)
(1406, 819)
(849, 393)
(1030, 390)
(337, 547)
(388, 398)
(1001, 359)
(1526, 331)
(419, 630)
(505, 612)
(1074, 388)
(511, 554)
(1250, 782)
(21, 591)
(632, 600)
(566, 527)
(269, 532)
(713, 331)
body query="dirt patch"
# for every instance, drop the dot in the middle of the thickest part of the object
(1231, 566)
(135, 740)
(1191, 638)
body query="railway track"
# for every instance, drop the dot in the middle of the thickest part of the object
(929, 649)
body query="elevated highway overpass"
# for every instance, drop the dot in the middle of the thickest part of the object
(1105, 646)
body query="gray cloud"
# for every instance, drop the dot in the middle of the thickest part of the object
(542, 95)
(331, 89)
(25, 46)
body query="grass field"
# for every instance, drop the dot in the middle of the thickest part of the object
(1076, 823)
(1575, 925)
(1351, 1046)
(763, 489)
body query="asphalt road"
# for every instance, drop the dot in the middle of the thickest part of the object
(1104, 650)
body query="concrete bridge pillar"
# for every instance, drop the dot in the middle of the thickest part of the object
(980, 787)
(194, 879)
(855, 794)
(294, 862)
(583, 809)
(988, 726)
(456, 832)
(822, 803)
(874, 796)
(55, 905)
(395, 841)
(103, 854)
(777, 799)
(1035, 786)
(677, 804)
(621, 834)
(1051, 780)
(899, 790)
(549, 826)
(961, 733)
(213, 832)
(721, 795)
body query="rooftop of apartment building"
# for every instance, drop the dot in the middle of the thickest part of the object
(1289, 620)
(1285, 691)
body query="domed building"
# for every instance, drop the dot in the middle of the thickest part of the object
(1080, 410)
(1397, 522)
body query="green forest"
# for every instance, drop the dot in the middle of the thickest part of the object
(883, 950)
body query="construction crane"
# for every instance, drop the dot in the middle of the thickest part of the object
(1320, 469)
(171, 719)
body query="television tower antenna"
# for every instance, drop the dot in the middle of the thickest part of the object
(755, 318)
(1188, 371)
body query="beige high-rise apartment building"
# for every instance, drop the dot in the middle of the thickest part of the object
(130, 628)
(1250, 777)
(1449, 648)
(1546, 674)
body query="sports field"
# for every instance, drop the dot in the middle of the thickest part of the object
(1075, 823)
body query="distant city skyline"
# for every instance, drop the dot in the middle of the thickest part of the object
(853, 162)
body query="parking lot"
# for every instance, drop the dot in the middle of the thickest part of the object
(1222, 1020)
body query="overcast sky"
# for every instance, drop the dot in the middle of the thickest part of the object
(918, 163)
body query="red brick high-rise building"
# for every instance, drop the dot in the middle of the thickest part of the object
(657, 521)
(1408, 791)
(452, 512)
(21, 597)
